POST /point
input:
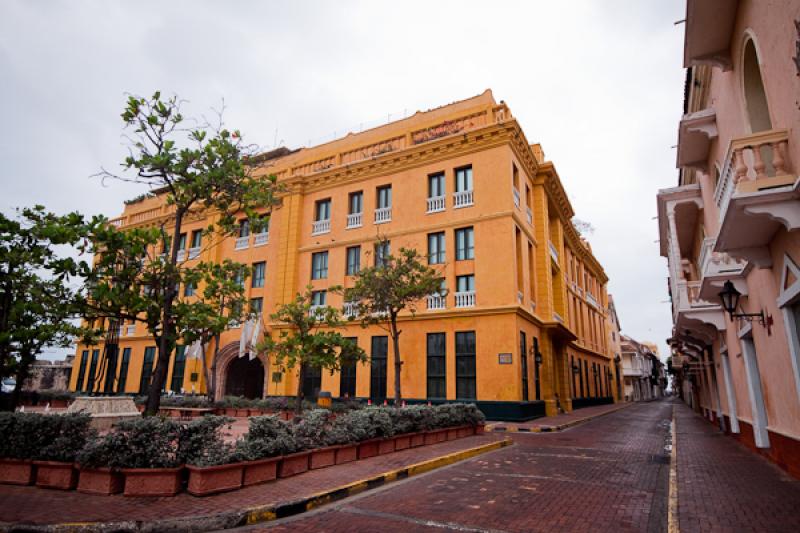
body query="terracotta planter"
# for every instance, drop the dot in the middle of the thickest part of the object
(401, 442)
(293, 464)
(100, 481)
(386, 446)
(152, 481)
(230, 411)
(16, 472)
(260, 471)
(431, 437)
(452, 433)
(368, 448)
(417, 439)
(346, 453)
(480, 429)
(465, 431)
(242, 413)
(322, 457)
(213, 479)
(59, 403)
(56, 475)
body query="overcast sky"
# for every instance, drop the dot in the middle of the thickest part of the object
(598, 83)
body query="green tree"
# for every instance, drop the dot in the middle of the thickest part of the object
(393, 284)
(309, 338)
(36, 301)
(197, 169)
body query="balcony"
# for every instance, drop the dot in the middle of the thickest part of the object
(709, 28)
(130, 330)
(465, 299)
(260, 239)
(462, 199)
(319, 227)
(242, 243)
(353, 220)
(316, 310)
(437, 302)
(553, 251)
(181, 256)
(701, 318)
(591, 299)
(383, 215)
(516, 196)
(695, 133)
(194, 253)
(435, 204)
(350, 309)
(529, 215)
(718, 267)
(757, 193)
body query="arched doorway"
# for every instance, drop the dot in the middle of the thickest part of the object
(245, 377)
(754, 94)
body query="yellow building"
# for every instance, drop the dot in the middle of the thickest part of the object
(522, 329)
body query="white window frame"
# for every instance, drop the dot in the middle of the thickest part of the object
(788, 297)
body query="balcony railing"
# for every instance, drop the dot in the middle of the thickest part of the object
(242, 243)
(553, 251)
(350, 309)
(529, 214)
(436, 301)
(516, 196)
(383, 214)
(435, 204)
(130, 330)
(752, 158)
(354, 220)
(316, 310)
(194, 253)
(261, 239)
(465, 299)
(318, 227)
(181, 255)
(590, 298)
(462, 199)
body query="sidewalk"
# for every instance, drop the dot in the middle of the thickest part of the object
(723, 486)
(558, 422)
(74, 511)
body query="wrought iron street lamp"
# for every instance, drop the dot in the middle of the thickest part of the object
(730, 302)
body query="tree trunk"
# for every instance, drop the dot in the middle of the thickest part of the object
(398, 364)
(298, 408)
(23, 371)
(167, 344)
(212, 392)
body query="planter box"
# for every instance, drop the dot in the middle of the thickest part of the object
(401, 442)
(346, 453)
(431, 437)
(100, 481)
(293, 464)
(16, 472)
(213, 479)
(452, 433)
(386, 446)
(480, 429)
(417, 439)
(242, 413)
(260, 471)
(322, 457)
(229, 411)
(465, 431)
(56, 475)
(368, 448)
(152, 481)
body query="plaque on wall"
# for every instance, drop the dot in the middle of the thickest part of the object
(504, 358)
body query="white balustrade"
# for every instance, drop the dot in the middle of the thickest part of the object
(435, 204)
(181, 255)
(316, 310)
(354, 220)
(194, 253)
(242, 243)
(130, 330)
(350, 309)
(462, 199)
(321, 226)
(465, 299)
(436, 301)
(383, 214)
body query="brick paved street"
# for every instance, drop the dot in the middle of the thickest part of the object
(610, 474)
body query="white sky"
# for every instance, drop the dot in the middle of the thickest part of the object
(598, 83)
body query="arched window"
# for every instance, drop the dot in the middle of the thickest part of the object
(754, 94)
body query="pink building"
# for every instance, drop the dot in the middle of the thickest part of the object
(735, 217)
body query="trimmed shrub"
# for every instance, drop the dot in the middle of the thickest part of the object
(150, 442)
(316, 430)
(70, 434)
(200, 442)
(268, 436)
(363, 424)
(43, 437)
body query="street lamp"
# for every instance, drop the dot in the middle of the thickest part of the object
(730, 302)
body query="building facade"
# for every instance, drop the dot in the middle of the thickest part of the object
(643, 371)
(734, 217)
(522, 328)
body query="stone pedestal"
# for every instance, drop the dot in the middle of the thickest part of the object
(105, 410)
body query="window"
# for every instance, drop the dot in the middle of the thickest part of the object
(347, 375)
(437, 367)
(319, 297)
(312, 380)
(377, 378)
(523, 357)
(239, 278)
(244, 228)
(384, 196)
(465, 365)
(322, 210)
(188, 289)
(436, 185)
(178, 368)
(123, 370)
(382, 250)
(436, 248)
(197, 238)
(82, 371)
(319, 265)
(256, 305)
(92, 370)
(258, 275)
(465, 244)
(353, 260)
(355, 203)
(465, 283)
(464, 179)
(538, 356)
(182, 241)
(112, 353)
(147, 369)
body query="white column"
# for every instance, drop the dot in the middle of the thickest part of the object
(726, 372)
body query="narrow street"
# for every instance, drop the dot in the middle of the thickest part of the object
(610, 474)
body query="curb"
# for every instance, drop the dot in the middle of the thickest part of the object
(497, 428)
(265, 513)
